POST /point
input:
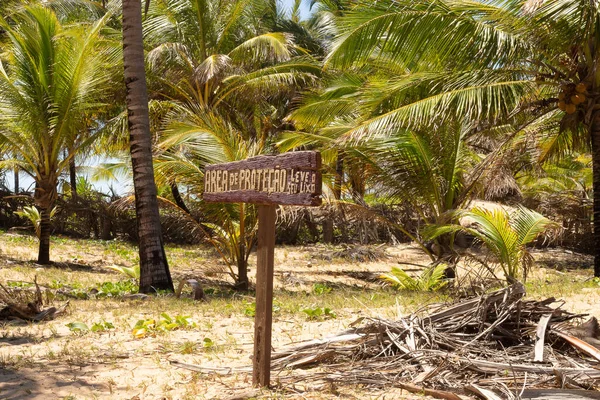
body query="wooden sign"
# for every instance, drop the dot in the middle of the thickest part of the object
(286, 179)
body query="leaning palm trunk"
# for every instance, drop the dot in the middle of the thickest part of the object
(154, 269)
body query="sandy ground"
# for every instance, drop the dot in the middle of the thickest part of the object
(48, 361)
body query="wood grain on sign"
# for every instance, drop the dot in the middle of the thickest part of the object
(287, 179)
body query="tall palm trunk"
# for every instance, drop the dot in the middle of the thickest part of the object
(154, 269)
(16, 176)
(595, 134)
(73, 178)
(45, 230)
(44, 197)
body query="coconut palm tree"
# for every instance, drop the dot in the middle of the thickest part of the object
(154, 269)
(222, 83)
(52, 77)
(520, 62)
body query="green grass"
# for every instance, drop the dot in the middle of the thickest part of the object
(560, 286)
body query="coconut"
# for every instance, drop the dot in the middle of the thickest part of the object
(581, 88)
(570, 108)
(577, 99)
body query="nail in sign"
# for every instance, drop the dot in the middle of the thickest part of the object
(286, 179)
(269, 181)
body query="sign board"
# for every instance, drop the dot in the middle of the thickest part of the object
(269, 181)
(286, 179)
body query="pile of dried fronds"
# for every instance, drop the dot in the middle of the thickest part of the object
(493, 345)
(26, 305)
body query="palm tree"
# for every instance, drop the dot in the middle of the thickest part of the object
(53, 77)
(186, 147)
(505, 235)
(154, 269)
(223, 83)
(526, 63)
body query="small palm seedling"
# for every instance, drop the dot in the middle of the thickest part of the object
(131, 272)
(166, 323)
(321, 289)
(317, 313)
(431, 279)
(33, 215)
(505, 236)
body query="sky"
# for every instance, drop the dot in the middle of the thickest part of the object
(304, 8)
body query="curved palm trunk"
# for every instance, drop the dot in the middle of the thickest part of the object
(178, 199)
(595, 134)
(154, 269)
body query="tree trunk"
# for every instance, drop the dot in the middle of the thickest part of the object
(44, 197)
(105, 228)
(45, 230)
(242, 262)
(154, 269)
(328, 230)
(178, 199)
(16, 176)
(310, 224)
(595, 134)
(339, 176)
(73, 178)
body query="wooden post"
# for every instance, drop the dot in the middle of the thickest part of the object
(261, 372)
(268, 181)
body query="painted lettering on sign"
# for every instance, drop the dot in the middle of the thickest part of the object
(290, 178)
(272, 180)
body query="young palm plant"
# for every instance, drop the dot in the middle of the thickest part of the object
(52, 77)
(431, 279)
(185, 148)
(505, 236)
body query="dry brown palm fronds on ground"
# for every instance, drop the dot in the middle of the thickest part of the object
(484, 343)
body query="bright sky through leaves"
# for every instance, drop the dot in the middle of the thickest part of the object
(304, 8)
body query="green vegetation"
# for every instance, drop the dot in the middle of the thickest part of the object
(506, 236)
(165, 323)
(431, 279)
(470, 129)
(316, 312)
(133, 272)
(411, 128)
